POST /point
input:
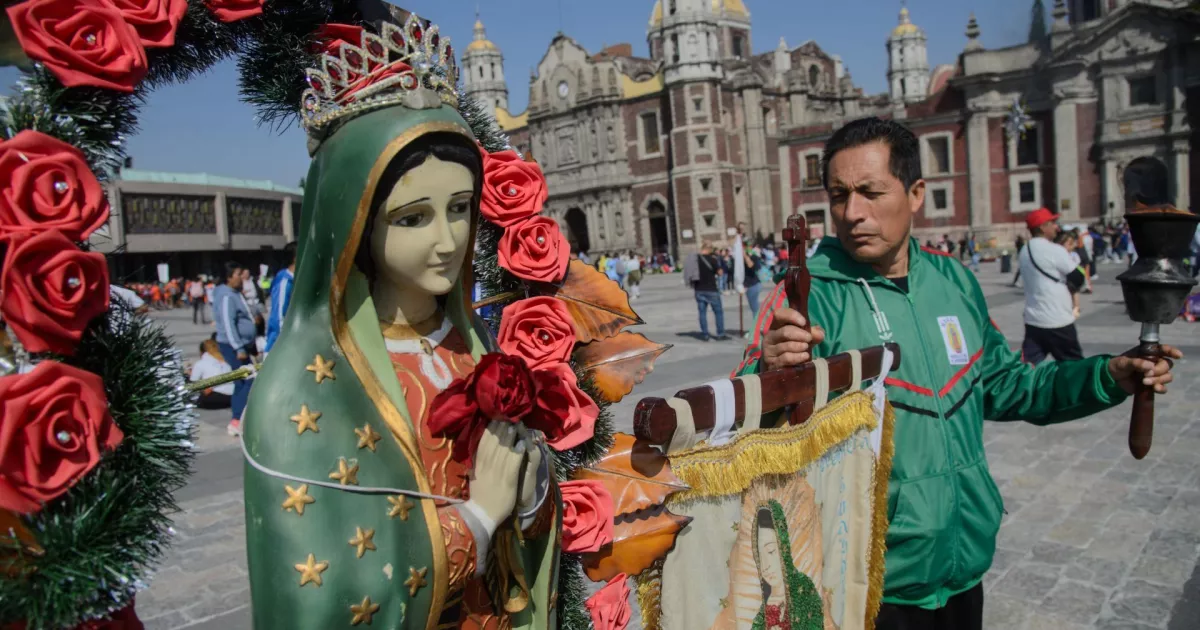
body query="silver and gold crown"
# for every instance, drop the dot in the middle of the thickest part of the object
(411, 66)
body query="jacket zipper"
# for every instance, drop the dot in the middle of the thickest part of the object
(912, 307)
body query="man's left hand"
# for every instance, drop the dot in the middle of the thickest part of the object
(1130, 370)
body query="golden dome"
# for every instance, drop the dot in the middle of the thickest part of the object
(906, 27)
(481, 42)
(733, 8)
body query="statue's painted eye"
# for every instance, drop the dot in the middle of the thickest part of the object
(409, 220)
(460, 207)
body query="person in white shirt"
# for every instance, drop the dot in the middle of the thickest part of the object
(209, 365)
(1048, 271)
(633, 277)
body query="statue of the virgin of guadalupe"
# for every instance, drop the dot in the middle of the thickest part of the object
(356, 514)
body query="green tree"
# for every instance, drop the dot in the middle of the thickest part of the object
(1037, 24)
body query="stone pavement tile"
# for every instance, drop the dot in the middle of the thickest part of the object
(1074, 532)
(1027, 582)
(218, 605)
(1099, 571)
(1003, 611)
(1153, 499)
(165, 621)
(1054, 553)
(1075, 601)
(1165, 571)
(1039, 620)
(1116, 623)
(1169, 543)
(1142, 602)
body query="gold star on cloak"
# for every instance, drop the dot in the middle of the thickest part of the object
(306, 420)
(363, 540)
(416, 579)
(321, 369)
(367, 437)
(347, 475)
(297, 499)
(363, 612)
(400, 507)
(724, 603)
(311, 570)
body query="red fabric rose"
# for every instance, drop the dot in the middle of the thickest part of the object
(500, 388)
(513, 189)
(539, 330)
(536, 250)
(562, 411)
(83, 42)
(154, 20)
(587, 523)
(45, 184)
(51, 291)
(234, 10)
(55, 424)
(609, 606)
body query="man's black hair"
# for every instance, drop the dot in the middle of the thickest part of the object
(289, 251)
(230, 267)
(904, 157)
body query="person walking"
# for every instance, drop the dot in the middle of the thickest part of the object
(872, 283)
(1049, 272)
(281, 296)
(972, 251)
(1020, 244)
(196, 295)
(752, 283)
(633, 275)
(235, 336)
(701, 272)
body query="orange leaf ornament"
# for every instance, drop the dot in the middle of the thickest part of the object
(618, 363)
(638, 541)
(637, 475)
(597, 304)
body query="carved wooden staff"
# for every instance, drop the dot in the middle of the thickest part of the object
(654, 420)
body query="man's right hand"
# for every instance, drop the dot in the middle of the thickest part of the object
(788, 344)
(243, 356)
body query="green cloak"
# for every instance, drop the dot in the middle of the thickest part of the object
(331, 320)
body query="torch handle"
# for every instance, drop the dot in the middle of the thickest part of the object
(1141, 420)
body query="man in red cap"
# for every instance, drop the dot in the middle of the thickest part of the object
(1049, 273)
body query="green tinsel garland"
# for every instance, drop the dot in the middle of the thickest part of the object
(103, 537)
(495, 280)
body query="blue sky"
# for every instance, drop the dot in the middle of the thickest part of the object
(202, 127)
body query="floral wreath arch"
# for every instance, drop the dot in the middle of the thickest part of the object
(96, 428)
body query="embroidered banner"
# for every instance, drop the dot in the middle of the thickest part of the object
(787, 532)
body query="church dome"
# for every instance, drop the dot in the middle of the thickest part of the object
(732, 8)
(906, 27)
(480, 42)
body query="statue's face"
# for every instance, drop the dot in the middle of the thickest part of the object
(421, 233)
(770, 568)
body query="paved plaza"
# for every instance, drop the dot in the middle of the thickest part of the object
(1092, 538)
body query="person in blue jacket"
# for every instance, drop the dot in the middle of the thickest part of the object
(235, 335)
(281, 296)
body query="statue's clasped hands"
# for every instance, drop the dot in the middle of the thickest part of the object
(506, 464)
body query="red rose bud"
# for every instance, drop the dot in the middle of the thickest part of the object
(539, 330)
(535, 250)
(83, 42)
(234, 10)
(562, 411)
(503, 387)
(55, 425)
(51, 291)
(587, 523)
(154, 20)
(513, 189)
(46, 184)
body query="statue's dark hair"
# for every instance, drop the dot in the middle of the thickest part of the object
(904, 155)
(764, 518)
(448, 147)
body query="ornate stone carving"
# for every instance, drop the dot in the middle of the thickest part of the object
(567, 150)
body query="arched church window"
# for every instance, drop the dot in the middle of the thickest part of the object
(903, 87)
(671, 7)
(813, 75)
(480, 72)
(493, 71)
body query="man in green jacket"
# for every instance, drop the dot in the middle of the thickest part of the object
(873, 283)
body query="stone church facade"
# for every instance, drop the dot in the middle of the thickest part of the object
(661, 153)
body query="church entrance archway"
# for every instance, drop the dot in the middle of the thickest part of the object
(660, 230)
(577, 230)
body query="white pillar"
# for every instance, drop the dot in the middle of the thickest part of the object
(785, 183)
(1112, 191)
(1066, 159)
(1182, 176)
(289, 234)
(979, 170)
(222, 220)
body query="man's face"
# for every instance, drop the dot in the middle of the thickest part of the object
(871, 210)
(1050, 229)
(235, 279)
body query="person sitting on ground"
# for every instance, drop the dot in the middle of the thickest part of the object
(211, 364)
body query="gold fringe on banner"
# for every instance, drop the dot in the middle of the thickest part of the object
(879, 517)
(714, 471)
(649, 594)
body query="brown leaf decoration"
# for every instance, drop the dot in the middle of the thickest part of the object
(635, 474)
(619, 363)
(597, 304)
(638, 541)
